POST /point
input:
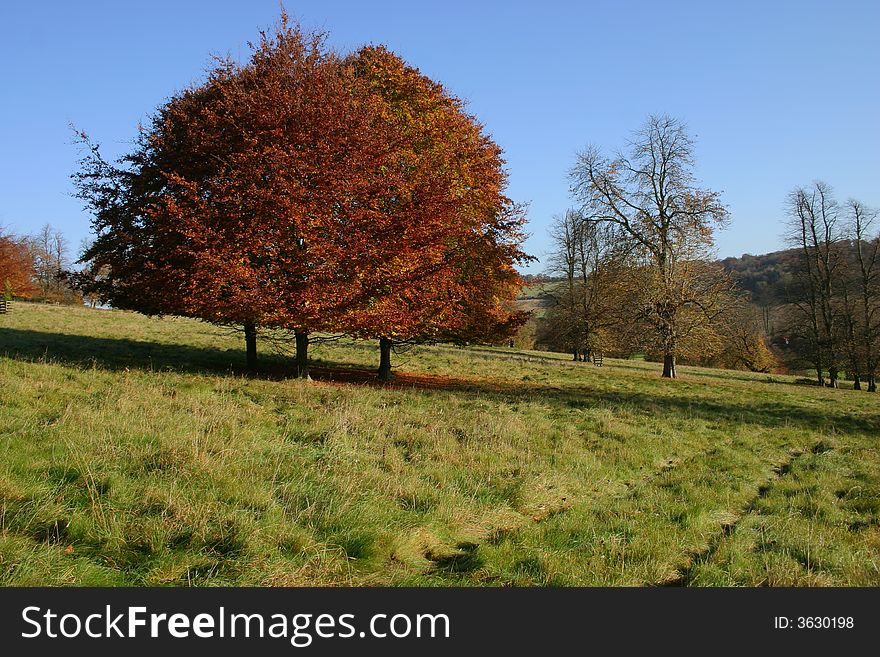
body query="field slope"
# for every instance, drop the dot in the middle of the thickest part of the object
(135, 453)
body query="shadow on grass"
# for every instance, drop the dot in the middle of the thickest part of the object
(688, 371)
(123, 353)
(665, 405)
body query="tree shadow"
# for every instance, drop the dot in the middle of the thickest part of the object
(124, 353)
(691, 371)
(121, 353)
(771, 414)
(749, 411)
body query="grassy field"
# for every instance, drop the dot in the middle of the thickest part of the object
(135, 453)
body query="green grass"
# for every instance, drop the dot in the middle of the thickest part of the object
(136, 453)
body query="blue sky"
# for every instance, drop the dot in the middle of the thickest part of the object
(776, 93)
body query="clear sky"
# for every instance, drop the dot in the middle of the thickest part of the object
(777, 93)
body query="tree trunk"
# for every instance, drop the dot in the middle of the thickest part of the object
(832, 377)
(250, 341)
(574, 351)
(302, 353)
(872, 383)
(669, 366)
(857, 382)
(384, 359)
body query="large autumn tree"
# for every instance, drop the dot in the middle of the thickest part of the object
(440, 260)
(311, 192)
(650, 196)
(243, 202)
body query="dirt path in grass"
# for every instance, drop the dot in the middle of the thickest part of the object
(686, 573)
(464, 557)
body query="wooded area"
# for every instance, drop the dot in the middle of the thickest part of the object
(815, 305)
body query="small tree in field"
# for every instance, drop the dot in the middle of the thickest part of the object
(744, 343)
(649, 194)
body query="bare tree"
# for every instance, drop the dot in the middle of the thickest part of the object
(585, 259)
(862, 316)
(649, 193)
(49, 248)
(814, 229)
(563, 262)
(599, 256)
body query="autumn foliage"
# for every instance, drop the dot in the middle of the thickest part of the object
(447, 238)
(16, 268)
(312, 192)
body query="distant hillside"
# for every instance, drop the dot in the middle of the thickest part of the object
(766, 276)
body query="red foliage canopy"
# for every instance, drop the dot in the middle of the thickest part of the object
(441, 256)
(313, 192)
